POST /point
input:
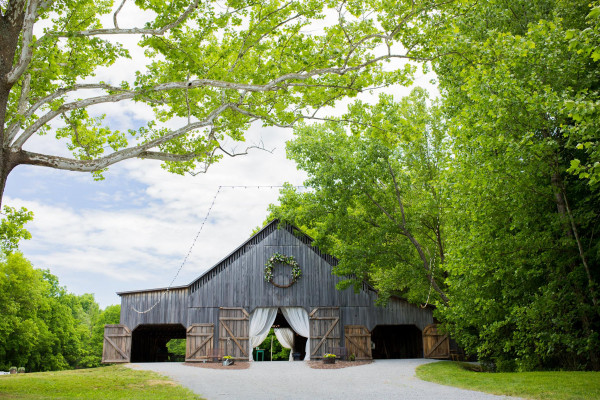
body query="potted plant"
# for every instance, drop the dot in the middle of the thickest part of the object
(352, 357)
(13, 370)
(329, 358)
(21, 370)
(228, 360)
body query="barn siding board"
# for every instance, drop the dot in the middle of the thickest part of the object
(238, 281)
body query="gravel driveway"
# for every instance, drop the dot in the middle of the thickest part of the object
(383, 379)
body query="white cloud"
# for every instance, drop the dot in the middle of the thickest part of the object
(147, 225)
(133, 230)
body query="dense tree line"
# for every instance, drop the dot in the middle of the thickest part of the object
(484, 202)
(42, 326)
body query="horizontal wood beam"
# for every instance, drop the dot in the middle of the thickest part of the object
(192, 326)
(234, 318)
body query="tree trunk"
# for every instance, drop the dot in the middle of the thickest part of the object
(11, 24)
(6, 166)
(561, 207)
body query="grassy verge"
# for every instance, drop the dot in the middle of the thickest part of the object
(114, 382)
(559, 385)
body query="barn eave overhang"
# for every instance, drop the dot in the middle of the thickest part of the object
(153, 290)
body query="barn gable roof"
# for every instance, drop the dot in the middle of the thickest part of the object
(241, 250)
(254, 240)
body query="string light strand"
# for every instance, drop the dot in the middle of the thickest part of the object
(164, 292)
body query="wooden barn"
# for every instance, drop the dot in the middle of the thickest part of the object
(275, 278)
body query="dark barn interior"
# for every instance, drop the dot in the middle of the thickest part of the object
(149, 342)
(397, 341)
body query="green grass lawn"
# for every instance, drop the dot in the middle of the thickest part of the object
(534, 385)
(114, 382)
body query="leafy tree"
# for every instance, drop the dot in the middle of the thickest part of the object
(520, 88)
(177, 348)
(211, 69)
(378, 202)
(37, 329)
(110, 315)
(42, 326)
(21, 294)
(280, 353)
(12, 230)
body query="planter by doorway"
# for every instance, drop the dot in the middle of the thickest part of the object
(329, 361)
(228, 362)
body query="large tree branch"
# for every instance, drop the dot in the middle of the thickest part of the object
(397, 193)
(26, 47)
(116, 13)
(63, 163)
(27, 133)
(13, 130)
(387, 214)
(275, 84)
(591, 284)
(417, 246)
(170, 157)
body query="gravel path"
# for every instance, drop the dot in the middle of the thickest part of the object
(383, 379)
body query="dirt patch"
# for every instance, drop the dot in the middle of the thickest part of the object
(217, 365)
(157, 383)
(338, 364)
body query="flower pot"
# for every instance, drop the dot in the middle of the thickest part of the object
(228, 362)
(329, 361)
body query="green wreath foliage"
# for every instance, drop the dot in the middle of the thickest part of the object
(278, 258)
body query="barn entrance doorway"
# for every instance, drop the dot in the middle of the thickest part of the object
(149, 342)
(287, 343)
(397, 341)
(289, 324)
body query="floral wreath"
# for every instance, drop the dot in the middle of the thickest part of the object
(281, 259)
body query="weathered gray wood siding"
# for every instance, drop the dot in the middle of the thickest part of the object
(238, 281)
(397, 312)
(172, 309)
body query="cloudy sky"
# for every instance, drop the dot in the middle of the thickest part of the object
(133, 230)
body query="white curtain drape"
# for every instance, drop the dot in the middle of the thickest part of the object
(286, 339)
(261, 320)
(297, 317)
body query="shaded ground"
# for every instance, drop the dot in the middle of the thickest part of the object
(219, 365)
(393, 379)
(338, 364)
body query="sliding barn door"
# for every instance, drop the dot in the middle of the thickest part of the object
(325, 331)
(117, 344)
(358, 341)
(233, 332)
(199, 342)
(435, 343)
